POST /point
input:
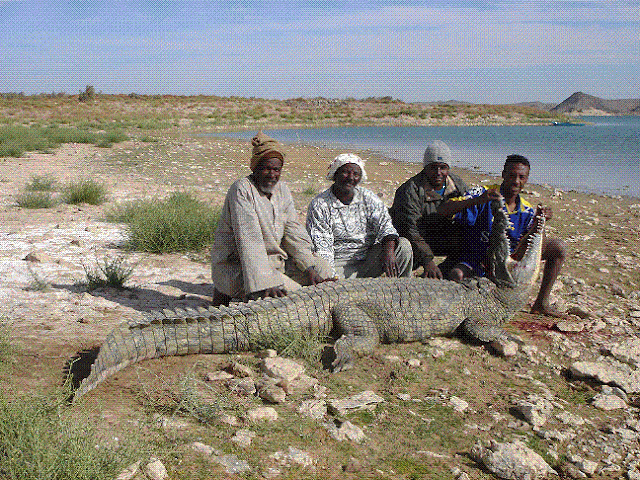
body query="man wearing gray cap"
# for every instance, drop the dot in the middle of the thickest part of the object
(414, 211)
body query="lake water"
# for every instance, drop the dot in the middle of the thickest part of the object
(602, 156)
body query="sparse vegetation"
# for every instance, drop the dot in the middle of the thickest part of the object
(84, 191)
(15, 140)
(41, 183)
(307, 347)
(39, 441)
(110, 272)
(178, 223)
(6, 349)
(35, 200)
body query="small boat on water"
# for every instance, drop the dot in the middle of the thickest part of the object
(568, 124)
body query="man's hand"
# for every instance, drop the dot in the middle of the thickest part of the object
(490, 194)
(314, 278)
(268, 292)
(431, 270)
(389, 263)
(544, 210)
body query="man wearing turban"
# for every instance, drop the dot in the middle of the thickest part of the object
(260, 248)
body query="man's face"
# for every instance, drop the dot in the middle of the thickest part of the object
(347, 177)
(514, 178)
(436, 174)
(267, 174)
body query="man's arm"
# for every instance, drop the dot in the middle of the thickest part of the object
(453, 206)
(406, 211)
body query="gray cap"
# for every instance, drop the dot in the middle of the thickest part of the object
(437, 152)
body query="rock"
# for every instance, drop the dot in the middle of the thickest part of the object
(232, 464)
(129, 472)
(345, 431)
(267, 414)
(229, 419)
(414, 362)
(267, 353)
(294, 456)
(458, 404)
(362, 400)
(217, 376)
(627, 351)
(566, 326)
(569, 470)
(577, 311)
(301, 384)
(608, 402)
(244, 386)
(634, 313)
(284, 368)
(38, 257)
(535, 410)
(238, 370)
(271, 392)
(314, 408)
(570, 419)
(613, 373)
(587, 467)
(243, 438)
(155, 470)
(405, 397)
(511, 461)
(203, 448)
(505, 347)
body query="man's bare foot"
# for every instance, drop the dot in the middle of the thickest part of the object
(548, 311)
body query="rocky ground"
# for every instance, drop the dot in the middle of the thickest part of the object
(566, 398)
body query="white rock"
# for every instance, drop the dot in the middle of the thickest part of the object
(203, 448)
(155, 470)
(129, 472)
(314, 408)
(267, 414)
(284, 368)
(243, 437)
(511, 461)
(504, 347)
(346, 431)
(608, 402)
(294, 456)
(355, 402)
(458, 404)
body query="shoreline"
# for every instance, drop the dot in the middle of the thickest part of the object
(386, 157)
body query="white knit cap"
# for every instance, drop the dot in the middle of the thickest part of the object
(343, 159)
(437, 152)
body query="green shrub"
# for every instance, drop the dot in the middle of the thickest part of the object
(35, 200)
(84, 191)
(111, 137)
(110, 272)
(179, 223)
(37, 442)
(295, 345)
(41, 183)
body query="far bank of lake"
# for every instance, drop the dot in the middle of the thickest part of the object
(602, 156)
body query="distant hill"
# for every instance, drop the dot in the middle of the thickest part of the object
(538, 105)
(589, 105)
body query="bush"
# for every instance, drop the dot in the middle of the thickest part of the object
(84, 191)
(35, 200)
(41, 183)
(179, 223)
(36, 442)
(111, 272)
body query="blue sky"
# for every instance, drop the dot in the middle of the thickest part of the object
(477, 51)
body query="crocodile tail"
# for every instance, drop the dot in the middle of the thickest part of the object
(160, 334)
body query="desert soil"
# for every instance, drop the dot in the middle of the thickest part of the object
(600, 281)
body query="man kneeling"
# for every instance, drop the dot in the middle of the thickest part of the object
(260, 248)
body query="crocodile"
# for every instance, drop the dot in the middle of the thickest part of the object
(362, 312)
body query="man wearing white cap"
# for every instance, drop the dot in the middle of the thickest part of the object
(414, 211)
(350, 226)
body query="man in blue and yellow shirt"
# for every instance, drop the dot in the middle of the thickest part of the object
(474, 212)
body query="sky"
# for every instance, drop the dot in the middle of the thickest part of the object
(474, 51)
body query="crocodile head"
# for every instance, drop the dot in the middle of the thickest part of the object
(502, 269)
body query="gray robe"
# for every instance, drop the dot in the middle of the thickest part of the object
(254, 238)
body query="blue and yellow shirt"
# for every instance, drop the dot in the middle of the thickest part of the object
(479, 220)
